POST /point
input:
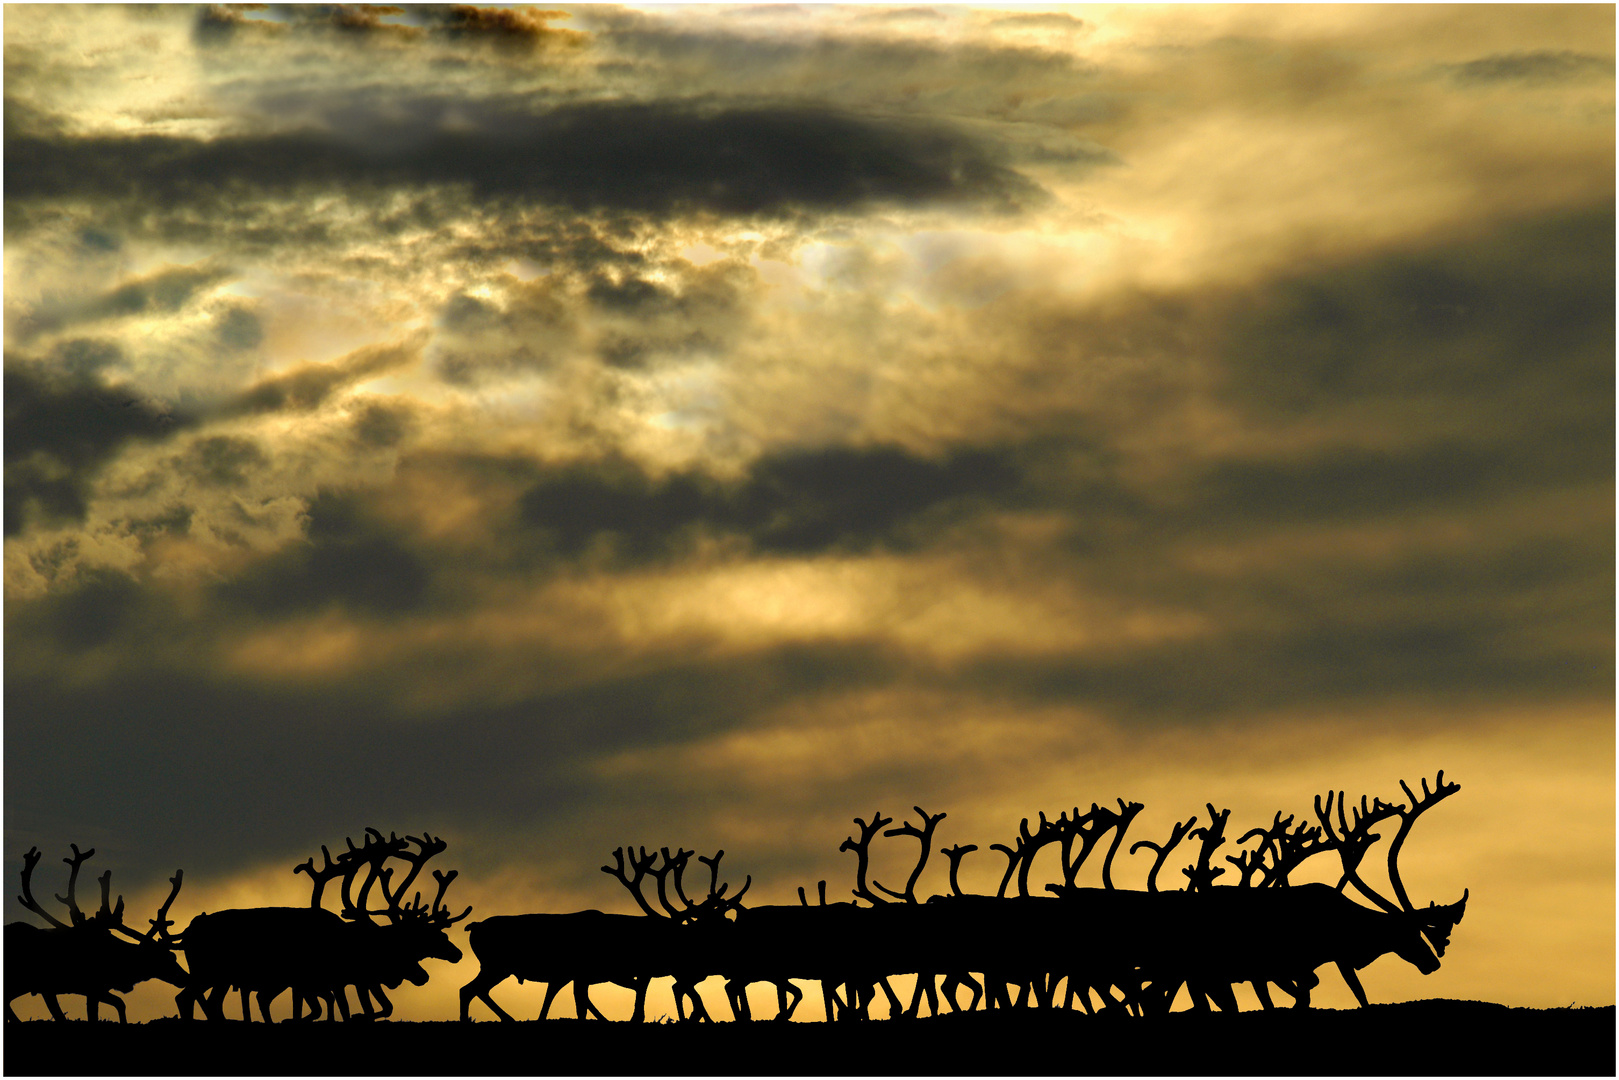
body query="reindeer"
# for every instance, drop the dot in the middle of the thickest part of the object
(1278, 933)
(589, 947)
(85, 955)
(315, 952)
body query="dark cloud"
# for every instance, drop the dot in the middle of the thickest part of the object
(219, 25)
(223, 460)
(238, 329)
(1040, 20)
(349, 561)
(319, 764)
(511, 27)
(1533, 67)
(62, 425)
(308, 386)
(798, 502)
(657, 158)
(167, 290)
(164, 292)
(383, 424)
(1480, 327)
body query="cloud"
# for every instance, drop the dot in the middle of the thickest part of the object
(308, 386)
(163, 292)
(62, 425)
(219, 25)
(1540, 66)
(800, 502)
(659, 158)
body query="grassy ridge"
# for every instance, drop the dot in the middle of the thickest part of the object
(1433, 1037)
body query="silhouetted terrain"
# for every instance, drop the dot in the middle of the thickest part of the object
(1432, 1037)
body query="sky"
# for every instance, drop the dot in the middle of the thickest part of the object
(561, 429)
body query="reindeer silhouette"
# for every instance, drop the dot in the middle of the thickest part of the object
(91, 955)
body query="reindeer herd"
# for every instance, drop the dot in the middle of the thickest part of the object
(1119, 950)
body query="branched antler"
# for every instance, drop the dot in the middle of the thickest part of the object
(1176, 835)
(1120, 823)
(924, 834)
(160, 925)
(633, 884)
(862, 850)
(30, 860)
(716, 901)
(72, 899)
(1352, 841)
(1201, 876)
(319, 877)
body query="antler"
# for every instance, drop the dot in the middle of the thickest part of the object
(861, 849)
(1121, 824)
(1441, 792)
(71, 899)
(320, 877)
(641, 866)
(108, 916)
(1437, 921)
(716, 892)
(30, 860)
(373, 854)
(1201, 876)
(429, 846)
(1176, 835)
(1287, 848)
(1353, 841)
(924, 834)
(955, 854)
(676, 863)
(160, 925)
(440, 915)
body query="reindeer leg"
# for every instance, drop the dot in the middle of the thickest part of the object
(895, 1009)
(1220, 993)
(55, 1007)
(1262, 992)
(784, 1010)
(479, 988)
(582, 1002)
(736, 995)
(551, 990)
(639, 985)
(933, 995)
(699, 1011)
(1353, 980)
(915, 1007)
(975, 986)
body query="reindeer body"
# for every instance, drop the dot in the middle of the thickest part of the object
(85, 959)
(314, 951)
(581, 947)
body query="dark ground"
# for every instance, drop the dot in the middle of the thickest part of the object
(1415, 1038)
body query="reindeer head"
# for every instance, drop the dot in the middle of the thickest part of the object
(417, 929)
(1433, 923)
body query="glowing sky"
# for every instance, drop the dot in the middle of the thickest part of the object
(558, 429)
